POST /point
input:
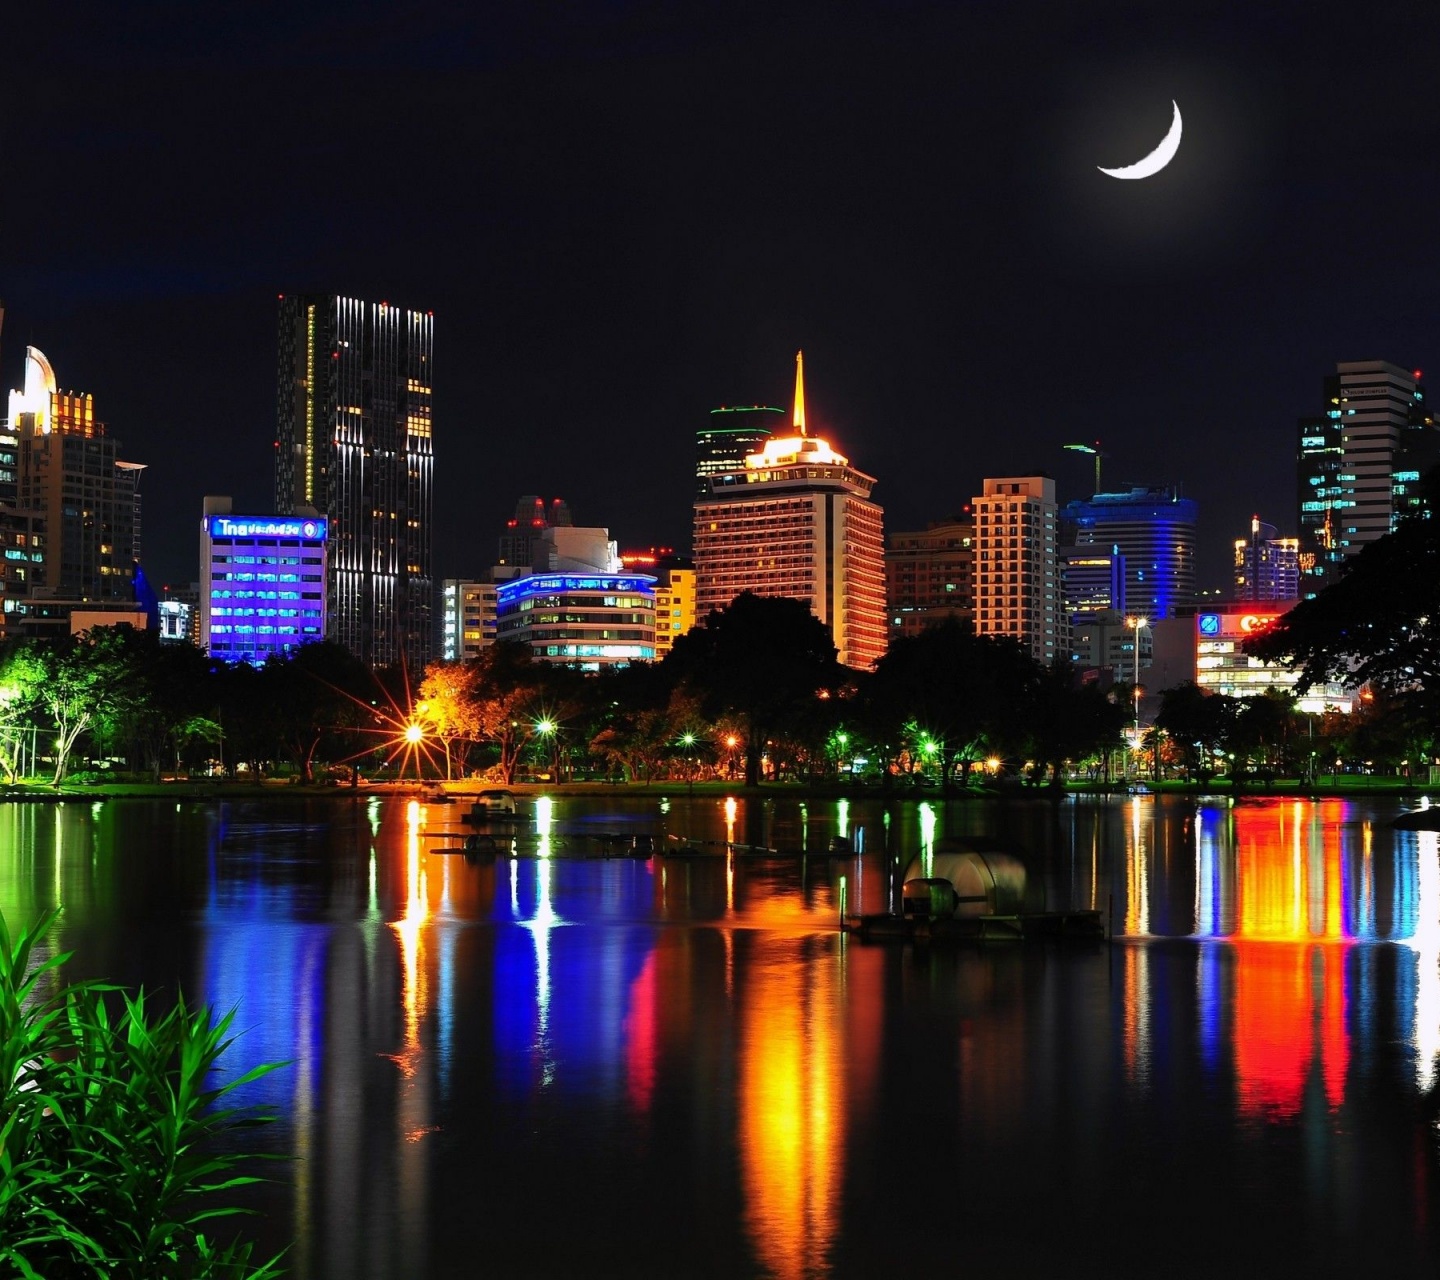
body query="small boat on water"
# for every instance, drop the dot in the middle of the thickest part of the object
(491, 804)
(967, 889)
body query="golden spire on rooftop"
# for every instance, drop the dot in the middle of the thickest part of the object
(799, 419)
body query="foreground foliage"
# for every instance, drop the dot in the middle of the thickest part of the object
(108, 1125)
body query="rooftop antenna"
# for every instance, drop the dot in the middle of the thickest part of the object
(799, 419)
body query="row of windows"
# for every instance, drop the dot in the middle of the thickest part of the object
(266, 560)
(246, 629)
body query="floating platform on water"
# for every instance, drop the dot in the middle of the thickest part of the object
(1032, 926)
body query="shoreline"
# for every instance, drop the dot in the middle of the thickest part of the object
(98, 792)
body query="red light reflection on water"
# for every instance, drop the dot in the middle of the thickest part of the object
(1289, 947)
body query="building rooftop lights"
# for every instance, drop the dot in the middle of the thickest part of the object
(789, 450)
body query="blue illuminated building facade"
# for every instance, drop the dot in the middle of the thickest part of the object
(587, 621)
(262, 583)
(1153, 532)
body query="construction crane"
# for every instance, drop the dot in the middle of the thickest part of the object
(1090, 448)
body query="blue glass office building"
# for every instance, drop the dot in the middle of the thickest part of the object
(262, 585)
(1154, 531)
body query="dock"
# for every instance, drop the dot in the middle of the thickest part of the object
(1031, 926)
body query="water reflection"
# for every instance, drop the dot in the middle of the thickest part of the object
(791, 1120)
(682, 1048)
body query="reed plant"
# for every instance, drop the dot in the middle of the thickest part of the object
(113, 1161)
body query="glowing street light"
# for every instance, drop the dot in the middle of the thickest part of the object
(1137, 622)
(687, 740)
(546, 728)
(414, 732)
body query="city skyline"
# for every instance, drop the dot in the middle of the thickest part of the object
(625, 220)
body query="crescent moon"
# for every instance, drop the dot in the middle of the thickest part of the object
(1157, 159)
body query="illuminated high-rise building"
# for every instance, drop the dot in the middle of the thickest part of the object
(1359, 463)
(731, 436)
(354, 443)
(1017, 570)
(929, 575)
(1267, 566)
(467, 610)
(1153, 531)
(69, 474)
(797, 520)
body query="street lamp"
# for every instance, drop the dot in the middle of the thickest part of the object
(545, 727)
(1137, 622)
(688, 742)
(1089, 448)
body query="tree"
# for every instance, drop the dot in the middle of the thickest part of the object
(1378, 625)
(1196, 721)
(762, 659)
(76, 680)
(1067, 720)
(952, 692)
(448, 704)
(506, 693)
(317, 690)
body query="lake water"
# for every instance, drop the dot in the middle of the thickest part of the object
(560, 1065)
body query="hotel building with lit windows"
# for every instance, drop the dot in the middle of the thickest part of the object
(1017, 569)
(80, 495)
(354, 442)
(797, 521)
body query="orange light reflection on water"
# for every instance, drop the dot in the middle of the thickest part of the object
(791, 1118)
(1290, 943)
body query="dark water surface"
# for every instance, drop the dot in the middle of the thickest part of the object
(559, 1065)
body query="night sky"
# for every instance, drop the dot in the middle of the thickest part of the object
(625, 215)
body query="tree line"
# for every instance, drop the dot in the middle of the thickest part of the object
(753, 693)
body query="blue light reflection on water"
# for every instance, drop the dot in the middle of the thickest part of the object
(433, 1007)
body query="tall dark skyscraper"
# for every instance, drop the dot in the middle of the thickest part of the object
(1358, 463)
(722, 445)
(353, 443)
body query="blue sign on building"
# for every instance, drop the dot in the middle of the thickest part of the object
(1209, 624)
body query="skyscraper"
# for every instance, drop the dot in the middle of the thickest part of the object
(1017, 578)
(354, 443)
(732, 435)
(1154, 531)
(797, 520)
(69, 473)
(1358, 461)
(1267, 566)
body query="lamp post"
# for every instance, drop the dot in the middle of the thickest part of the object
(545, 727)
(688, 742)
(1137, 622)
